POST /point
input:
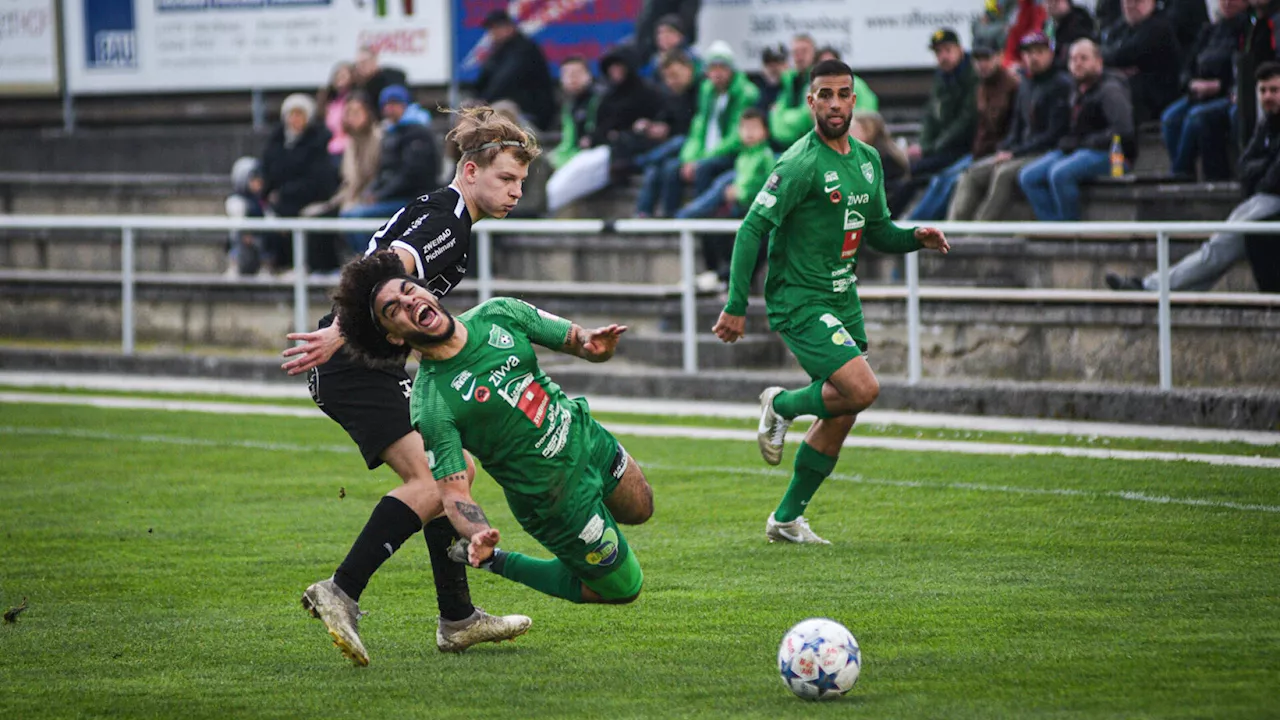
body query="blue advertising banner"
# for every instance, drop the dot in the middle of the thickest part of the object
(561, 27)
(111, 34)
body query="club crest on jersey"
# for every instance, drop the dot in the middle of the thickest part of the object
(500, 338)
(869, 171)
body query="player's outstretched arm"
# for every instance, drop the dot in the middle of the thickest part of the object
(594, 345)
(467, 517)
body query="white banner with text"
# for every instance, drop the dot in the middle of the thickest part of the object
(28, 47)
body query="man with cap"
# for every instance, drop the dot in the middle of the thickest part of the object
(997, 86)
(1040, 118)
(516, 70)
(950, 117)
(408, 165)
(713, 142)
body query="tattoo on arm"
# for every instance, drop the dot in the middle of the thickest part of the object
(472, 512)
(573, 343)
(455, 477)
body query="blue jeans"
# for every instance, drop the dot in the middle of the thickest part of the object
(1052, 183)
(652, 163)
(710, 200)
(669, 185)
(359, 242)
(1201, 131)
(933, 205)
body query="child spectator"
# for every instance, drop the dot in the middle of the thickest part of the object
(245, 201)
(578, 102)
(332, 100)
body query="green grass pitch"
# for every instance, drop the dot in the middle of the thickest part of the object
(162, 556)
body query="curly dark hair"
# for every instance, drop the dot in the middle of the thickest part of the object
(366, 339)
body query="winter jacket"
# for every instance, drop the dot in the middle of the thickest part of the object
(789, 119)
(742, 95)
(1260, 162)
(1076, 24)
(995, 107)
(1098, 114)
(1042, 114)
(360, 162)
(678, 110)
(577, 120)
(1150, 47)
(1186, 17)
(1258, 43)
(1212, 55)
(298, 174)
(623, 104)
(517, 71)
(751, 169)
(951, 116)
(410, 160)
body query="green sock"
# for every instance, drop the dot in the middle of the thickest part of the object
(811, 468)
(547, 576)
(805, 401)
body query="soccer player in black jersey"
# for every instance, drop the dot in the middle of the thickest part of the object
(432, 237)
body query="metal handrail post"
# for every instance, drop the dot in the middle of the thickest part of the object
(1165, 318)
(126, 290)
(484, 263)
(688, 304)
(300, 271)
(913, 319)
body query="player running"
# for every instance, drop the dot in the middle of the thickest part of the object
(479, 387)
(429, 239)
(824, 198)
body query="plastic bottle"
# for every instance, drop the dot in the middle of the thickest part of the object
(1117, 157)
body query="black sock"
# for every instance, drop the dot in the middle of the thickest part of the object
(453, 595)
(391, 523)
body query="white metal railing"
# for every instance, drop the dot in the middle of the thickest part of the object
(686, 231)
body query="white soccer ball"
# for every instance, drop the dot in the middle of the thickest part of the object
(819, 659)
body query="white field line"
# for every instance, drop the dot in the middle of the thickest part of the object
(1131, 496)
(667, 408)
(666, 431)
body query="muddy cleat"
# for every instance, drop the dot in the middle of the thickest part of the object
(340, 615)
(481, 627)
(773, 427)
(797, 531)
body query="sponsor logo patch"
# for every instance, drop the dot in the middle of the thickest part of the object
(842, 337)
(431, 459)
(831, 176)
(772, 183)
(606, 552)
(766, 199)
(482, 394)
(836, 197)
(461, 379)
(593, 530)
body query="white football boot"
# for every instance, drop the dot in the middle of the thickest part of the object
(797, 531)
(772, 431)
(340, 615)
(458, 635)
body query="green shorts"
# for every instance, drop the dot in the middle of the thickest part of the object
(824, 341)
(577, 527)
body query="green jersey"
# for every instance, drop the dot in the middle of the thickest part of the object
(820, 206)
(494, 400)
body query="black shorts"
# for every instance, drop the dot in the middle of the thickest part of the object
(371, 404)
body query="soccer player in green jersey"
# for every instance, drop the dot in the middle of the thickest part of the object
(479, 387)
(824, 198)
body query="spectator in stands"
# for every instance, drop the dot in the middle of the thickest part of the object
(578, 101)
(950, 116)
(296, 171)
(516, 70)
(626, 99)
(359, 167)
(789, 117)
(372, 79)
(991, 27)
(712, 143)
(1144, 48)
(1107, 12)
(653, 10)
(773, 63)
(653, 140)
(1070, 23)
(997, 86)
(332, 101)
(1186, 16)
(1041, 117)
(869, 127)
(670, 37)
(1259, 41)
(1198, 124)
(1030, 17)
(1100, 112)
(245, 201)
(408, 165)
(865, 99)
(1259, 185)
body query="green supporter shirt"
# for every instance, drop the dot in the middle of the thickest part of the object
(751, 169)
(820, 206)
(493, 399)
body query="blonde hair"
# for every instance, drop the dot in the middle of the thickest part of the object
(873, 122)
(482, 133)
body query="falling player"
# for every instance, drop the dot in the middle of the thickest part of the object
(824, 198)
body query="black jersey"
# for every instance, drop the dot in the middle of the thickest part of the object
(436, 230)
